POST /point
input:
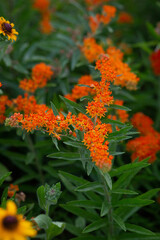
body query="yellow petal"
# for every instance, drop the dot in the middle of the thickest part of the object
(11, 208)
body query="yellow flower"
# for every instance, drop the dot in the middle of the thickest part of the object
(6, 28)
(14, 226)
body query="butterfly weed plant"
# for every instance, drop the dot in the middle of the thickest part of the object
(80, 136)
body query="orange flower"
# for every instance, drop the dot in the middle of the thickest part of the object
(125, 77)
(142, 123)
(12, 190)
(143, 147)
(0, 84)
(41, 74)
(125, 17)
(78, 91)
(155, 62)
(108, 13)
(4, 101)
(91, 49)
(41, 5)
(148, 144)
(45, 23)
(105, 67)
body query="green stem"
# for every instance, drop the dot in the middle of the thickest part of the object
(110, 212)
(47, 209)
(157, 122)
(37, 163)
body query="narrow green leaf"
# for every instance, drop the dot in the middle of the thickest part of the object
(133, 202)
(80, 212)
(85, 204)
(108, 179)
(120, 107)
(41, 197)
(124, 191)
(88, 186)
(73, 105)
(104, 208)
(54, 109)
(54, 140)
(4, 177)
(95, 226)
(138, 229)
(119, 221)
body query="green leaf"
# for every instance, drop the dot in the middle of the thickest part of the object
(89, 186)
(122, 131)
(54, 140)
(95, 225)
(138, 229)
(152, 31)
(22, 210)
(55, 229)
(54, 109)
(3, 171)
(105, 208)
(72, 178)
(130, 167)
(75, 58)
(67, 156)
(41, 197)
(85, 204)
(120, 107)
(115, 122)
(133, 202)
(80, 212)
(43, 221)
(108, 179)
(4, 177)
(124, 191)
(29, 158)
(75, 144)
(73, 105)
(119, 221)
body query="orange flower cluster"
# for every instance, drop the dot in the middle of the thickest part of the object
(27, 105)
(103, 97)
(125, 77)
(41, 73)
(78, 91)
(12, 190)
(155, 62)
(104, 65)
(122, 114)
(91, 49)
(148, 144)
(108, 12)
(95, 142)
(125, 17)
(40, 117)
(0, 84)
(43, 7)
(4, 101)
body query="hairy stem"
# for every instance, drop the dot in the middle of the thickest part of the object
(110, 212)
